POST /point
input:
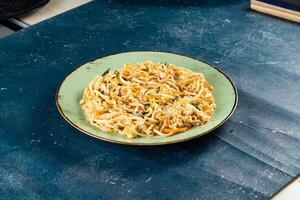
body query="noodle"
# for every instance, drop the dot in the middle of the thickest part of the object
(146, 99)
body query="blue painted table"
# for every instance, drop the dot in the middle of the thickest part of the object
(250, 157)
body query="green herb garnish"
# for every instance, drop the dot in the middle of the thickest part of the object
(138, 114)
(116, 72)
(106, 72)
(196, 106)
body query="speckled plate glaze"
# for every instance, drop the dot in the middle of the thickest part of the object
(71, 89)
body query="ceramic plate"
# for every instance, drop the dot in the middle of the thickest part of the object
(71, 89)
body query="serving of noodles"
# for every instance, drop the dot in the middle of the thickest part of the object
(146, 99)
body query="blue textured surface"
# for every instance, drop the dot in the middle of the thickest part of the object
(250, 157)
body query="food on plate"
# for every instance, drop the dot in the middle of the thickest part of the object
(147, 99)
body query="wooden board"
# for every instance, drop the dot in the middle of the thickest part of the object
(289, 192)
(287, 9)
(53, 8)
(4, 31)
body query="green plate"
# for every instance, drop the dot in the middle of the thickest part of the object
(71, 89)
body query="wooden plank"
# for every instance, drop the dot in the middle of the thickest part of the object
(4, 31)
(53, 8)
(275, 11)
(289, 192)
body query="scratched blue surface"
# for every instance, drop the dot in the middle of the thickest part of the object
(250, 157)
